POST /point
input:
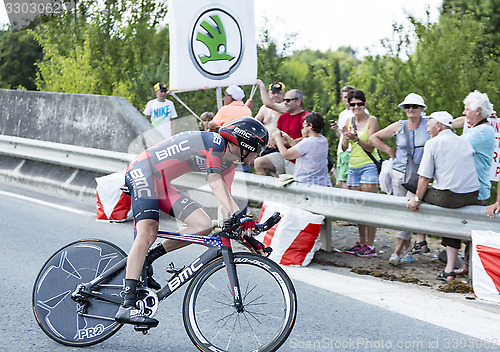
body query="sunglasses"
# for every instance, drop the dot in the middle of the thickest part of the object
(290, 99)
(305, 123)
(358, 104)
(412, 106)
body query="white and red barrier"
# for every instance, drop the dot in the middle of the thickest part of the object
(295, 238)
(486, 265)
(112, 203)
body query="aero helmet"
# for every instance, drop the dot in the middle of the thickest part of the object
(247, 133)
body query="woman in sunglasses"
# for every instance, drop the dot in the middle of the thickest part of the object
(416, 125)
(311, 153)
(363, 173)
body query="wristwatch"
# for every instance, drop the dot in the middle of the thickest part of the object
(417, 199)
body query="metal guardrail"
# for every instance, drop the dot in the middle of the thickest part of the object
(334, 203)
(89, 159)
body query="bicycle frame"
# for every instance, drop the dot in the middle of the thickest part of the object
(218, 245)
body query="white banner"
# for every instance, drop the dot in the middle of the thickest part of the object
(212, 44)
(495, 165)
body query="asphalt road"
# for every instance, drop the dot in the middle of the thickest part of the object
(34, 227)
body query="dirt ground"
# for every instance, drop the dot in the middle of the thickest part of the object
(422, 271)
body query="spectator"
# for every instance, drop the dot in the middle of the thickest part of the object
(161, 111)
(311, 153)
(290, 125)
(449, 160)
(494, 208)
(482, 138)
(416, 126)
(205, 118)
(363, 173)
(233, 107)
(342, 156)
(270, 112)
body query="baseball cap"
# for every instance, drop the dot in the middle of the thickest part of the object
(236, 92)
(277, 87)
(413, 99)
(442, 116)
(160, 86)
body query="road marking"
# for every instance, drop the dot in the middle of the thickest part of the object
(472, 318)
(52, 205)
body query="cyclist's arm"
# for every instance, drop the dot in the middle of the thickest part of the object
(221, 192)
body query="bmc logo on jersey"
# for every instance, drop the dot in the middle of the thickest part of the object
(216, 43)
(172, 150)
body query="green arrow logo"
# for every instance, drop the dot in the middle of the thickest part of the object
(215, 41)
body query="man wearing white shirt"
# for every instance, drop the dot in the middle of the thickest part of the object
(449, 160)
(161, 112)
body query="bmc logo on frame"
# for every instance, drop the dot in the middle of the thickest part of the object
(216, 43)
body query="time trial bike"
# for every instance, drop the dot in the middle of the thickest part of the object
(235, 301)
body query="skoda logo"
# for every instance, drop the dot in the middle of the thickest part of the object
(216, 46)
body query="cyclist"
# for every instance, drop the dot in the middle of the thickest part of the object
(148, 179)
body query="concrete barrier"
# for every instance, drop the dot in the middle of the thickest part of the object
(94, 121)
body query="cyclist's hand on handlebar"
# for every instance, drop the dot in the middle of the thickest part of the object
(246, 222)
(256, 246)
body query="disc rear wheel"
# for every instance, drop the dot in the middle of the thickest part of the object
(91, 320)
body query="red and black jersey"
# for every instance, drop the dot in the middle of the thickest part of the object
(182, 153)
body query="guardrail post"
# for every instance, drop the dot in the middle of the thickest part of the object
(325, 234)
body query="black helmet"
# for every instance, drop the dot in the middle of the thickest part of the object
(247, 133)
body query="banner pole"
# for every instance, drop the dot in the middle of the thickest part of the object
(218, 92)
(183, 104)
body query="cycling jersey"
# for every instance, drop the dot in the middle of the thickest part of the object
(149, 175)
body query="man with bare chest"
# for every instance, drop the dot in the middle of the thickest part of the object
(267, 115)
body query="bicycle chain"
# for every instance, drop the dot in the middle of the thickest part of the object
(97, 316)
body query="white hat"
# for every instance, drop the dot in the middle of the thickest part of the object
(236, 92)
(442, 116)
(412, 99)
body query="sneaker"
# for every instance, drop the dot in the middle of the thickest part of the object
(353, 249)
(150, 281)
(366, 251)
(132, 315)
(408, 258)
(394, 259)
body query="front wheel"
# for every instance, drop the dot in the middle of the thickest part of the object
(269, 306)
(59, 316)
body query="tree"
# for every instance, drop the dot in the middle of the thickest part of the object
(450, 59)
(108, 48)
(18, 54)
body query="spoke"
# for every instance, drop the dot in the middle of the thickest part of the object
(220, 292)
(253, 330)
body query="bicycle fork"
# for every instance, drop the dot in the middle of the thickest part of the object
(234, 284)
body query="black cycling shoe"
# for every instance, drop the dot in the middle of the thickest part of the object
(132, 315)
(150, 281)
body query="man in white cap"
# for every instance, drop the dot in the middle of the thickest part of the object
(233, 107)
(449, 160)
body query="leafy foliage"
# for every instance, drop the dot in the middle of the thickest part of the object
(18, 54)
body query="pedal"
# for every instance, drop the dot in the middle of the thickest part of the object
(171, 269)
(142, 328)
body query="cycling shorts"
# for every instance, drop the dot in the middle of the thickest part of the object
(146, 204)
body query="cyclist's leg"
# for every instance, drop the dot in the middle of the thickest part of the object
(147, 231)
(146, 216)
(182, 207)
